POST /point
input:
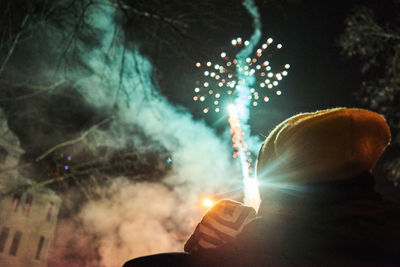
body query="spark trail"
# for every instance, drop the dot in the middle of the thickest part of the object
(251, 192)
(241, 78)
(241, 104)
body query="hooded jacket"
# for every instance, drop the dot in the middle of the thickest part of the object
(319, 204)
(327, 224)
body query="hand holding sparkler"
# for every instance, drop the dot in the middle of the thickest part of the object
(220, 225)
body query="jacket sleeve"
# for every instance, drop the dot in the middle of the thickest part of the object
(220, 225)
(254, 246)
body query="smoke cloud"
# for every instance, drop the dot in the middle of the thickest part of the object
(135, 219)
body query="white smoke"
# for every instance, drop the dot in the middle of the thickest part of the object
(198, 154)
(10, 145)
(135, 219)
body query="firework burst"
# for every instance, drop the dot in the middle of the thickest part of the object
(236, 80)
(218, 88)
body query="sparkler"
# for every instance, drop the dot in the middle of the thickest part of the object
(241, 77)
(208, 202)
(251, 192)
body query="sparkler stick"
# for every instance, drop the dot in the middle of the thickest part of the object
(251, 193)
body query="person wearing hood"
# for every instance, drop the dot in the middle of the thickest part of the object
(319, 206)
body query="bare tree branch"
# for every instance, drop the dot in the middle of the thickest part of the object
(14, 44)
(75, 140)
(39, 90)
(146, 14)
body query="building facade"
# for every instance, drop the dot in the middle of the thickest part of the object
(27, 223)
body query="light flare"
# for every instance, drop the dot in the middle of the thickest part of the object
(208, 202)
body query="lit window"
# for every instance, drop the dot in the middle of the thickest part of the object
(15, 243)
(49, 211)
(15, 202)
(3, 237)
(28, 204)
(39, 248)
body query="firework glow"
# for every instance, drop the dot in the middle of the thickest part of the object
(251, 192)
(226, 79)
(240, 78)
(208, 202)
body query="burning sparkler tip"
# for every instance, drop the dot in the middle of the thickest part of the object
(208, 202)
(231, 108)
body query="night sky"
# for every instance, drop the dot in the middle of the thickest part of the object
(321, 75)
(101, 110)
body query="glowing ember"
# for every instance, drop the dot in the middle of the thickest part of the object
(208, 202)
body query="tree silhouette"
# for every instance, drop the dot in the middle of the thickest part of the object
(376, 43)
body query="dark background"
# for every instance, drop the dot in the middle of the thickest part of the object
(321, 76)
